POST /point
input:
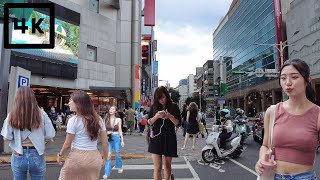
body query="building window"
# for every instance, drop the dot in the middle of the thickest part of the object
(91, 53)
(94, 5)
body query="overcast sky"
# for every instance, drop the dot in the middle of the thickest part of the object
(184, 32)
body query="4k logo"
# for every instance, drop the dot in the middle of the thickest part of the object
(35, 25)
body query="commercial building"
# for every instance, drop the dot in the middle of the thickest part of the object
(304, 17)
(238, 41)
(149, 65)
(191, 85)
(97, 45)
(97, 50)
(183, 90)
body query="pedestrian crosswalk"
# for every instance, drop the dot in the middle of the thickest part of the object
(182, 170)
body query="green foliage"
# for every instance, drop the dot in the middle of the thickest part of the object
(175, 96)
(35, 15)
(73, 36)
(196, 100)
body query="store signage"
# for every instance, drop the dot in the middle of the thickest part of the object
(23, 81)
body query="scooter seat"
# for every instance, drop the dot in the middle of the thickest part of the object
(234, 135)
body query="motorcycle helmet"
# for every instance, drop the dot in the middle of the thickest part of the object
(240, 112)
(237, 110)
(225, 113)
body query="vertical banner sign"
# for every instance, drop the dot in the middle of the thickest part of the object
(278, 27)
(149, 13)
(155, 67)
(137, 86)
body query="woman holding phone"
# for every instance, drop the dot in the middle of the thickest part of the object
(164, 115)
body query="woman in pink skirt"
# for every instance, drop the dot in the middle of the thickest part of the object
(84, 160)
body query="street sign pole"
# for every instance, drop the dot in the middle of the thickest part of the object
(5, 55)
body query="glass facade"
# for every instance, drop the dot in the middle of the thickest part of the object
(252, 22)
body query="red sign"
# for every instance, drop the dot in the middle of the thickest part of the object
(278, 23)
(149, 12)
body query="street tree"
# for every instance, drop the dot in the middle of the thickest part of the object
(175, 95)
(196, 100)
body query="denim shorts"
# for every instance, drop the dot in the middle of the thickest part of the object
(302, 176)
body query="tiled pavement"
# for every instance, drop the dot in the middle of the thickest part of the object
(135, 146)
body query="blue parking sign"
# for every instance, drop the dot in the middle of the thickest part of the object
(23, 81)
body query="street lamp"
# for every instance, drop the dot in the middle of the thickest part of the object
(167, 83)
(281, 48)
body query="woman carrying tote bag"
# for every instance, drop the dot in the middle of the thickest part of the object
(294, 154)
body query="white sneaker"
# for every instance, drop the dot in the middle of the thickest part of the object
(105, 177)
(120, 171)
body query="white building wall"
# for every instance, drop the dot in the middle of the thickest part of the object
(304, 16)
(192, 85)
(183, 91)
(109, 31)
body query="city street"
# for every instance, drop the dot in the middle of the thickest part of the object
(188, 166)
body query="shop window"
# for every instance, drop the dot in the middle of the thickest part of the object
(94, 5)
(105, 103)
(91, 53)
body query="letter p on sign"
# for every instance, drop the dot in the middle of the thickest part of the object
(23, 81)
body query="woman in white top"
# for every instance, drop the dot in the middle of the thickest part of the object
(114, 131)
(84, 160)
(26, 128)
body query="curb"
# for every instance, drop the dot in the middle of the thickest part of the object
(52, 159)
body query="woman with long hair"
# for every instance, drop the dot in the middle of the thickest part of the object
(184, 119)
(114, 131)
(27, 127)
(84, 160)
(296, 125)
(163, 116)
(193, 121)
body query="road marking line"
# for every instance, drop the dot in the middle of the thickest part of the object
(152, 179)
(243, 166)
(193, 172)
(137, 167)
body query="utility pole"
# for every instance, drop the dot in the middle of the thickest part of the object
(222, 83)
(282, 46)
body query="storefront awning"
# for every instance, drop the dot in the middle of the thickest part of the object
(118, 92)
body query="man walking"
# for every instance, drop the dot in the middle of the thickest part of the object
(130, 113)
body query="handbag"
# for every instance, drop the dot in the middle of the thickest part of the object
(110, 136)
(143, 122)
(269, 173)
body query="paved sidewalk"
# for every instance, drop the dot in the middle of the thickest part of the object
(135, 147)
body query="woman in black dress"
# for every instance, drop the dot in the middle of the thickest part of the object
(193, 129)
(164, 115)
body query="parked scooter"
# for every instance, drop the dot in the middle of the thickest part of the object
(212, 151)
(258, 128)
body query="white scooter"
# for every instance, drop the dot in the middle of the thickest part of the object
(211, 151)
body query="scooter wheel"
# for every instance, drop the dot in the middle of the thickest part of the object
(209, 155)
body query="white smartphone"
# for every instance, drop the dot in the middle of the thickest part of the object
(161, 112)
